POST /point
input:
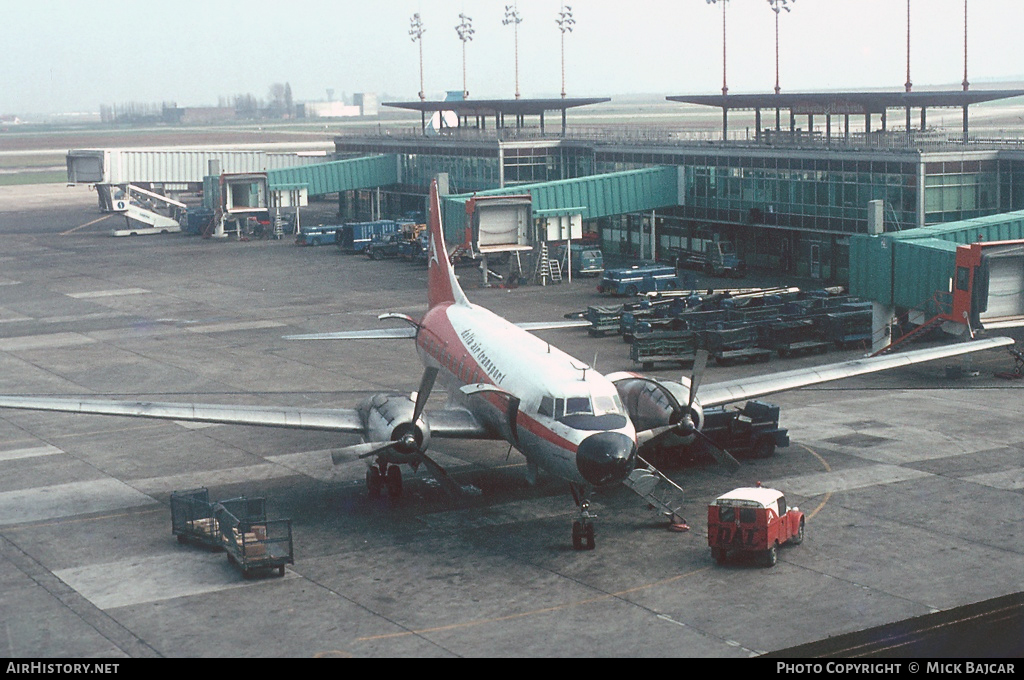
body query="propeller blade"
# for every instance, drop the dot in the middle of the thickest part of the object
(723, 457)
(645, 436)
(357, 451)
(426, 384)
(513, 417)
(700, 362)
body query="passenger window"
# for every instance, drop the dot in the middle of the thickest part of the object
(748, 515)
(727, 514)
(782, 506)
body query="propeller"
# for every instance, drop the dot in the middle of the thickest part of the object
(686, 427)
(407, 440)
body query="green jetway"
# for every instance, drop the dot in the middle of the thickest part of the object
(615, 193)
(345, 175)
(907, 268)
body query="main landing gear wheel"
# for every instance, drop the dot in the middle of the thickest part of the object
(373, 482)
(393, 481)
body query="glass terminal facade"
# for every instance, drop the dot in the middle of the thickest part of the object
(782, 207)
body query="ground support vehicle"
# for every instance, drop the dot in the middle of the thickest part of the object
(192, 518)
(753, 430)
(675, 346)
(848, 328)
(735, 345)
(354, 237)
(587, 260)
(316, 236)
(603, 320)
(383, 247)
(715, 258)
(798, 336)
(638, 279)
(414, 250)
(252, 542)
(753, 520)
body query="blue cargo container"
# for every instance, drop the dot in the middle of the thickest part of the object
(355, 236)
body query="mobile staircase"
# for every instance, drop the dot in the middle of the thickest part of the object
(143, 219)
(659, 491)
(939, 302)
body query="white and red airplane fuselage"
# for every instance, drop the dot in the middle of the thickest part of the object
(567, 418)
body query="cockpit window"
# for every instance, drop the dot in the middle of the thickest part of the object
(578, 405)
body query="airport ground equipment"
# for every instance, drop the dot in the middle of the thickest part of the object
(317, 236)
(139, 207)
(659, 491)
(354, 237)
(753, 520)
(712, 256)
(252, 542)
(657, 347)
(793, 337)
(631, 281)
(753, 429)
(192, 518)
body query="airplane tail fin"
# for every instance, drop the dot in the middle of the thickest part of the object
(442, 286)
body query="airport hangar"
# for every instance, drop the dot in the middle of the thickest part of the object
(788, 197)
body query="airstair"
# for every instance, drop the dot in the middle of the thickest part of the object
(659, 491)
(138, 207)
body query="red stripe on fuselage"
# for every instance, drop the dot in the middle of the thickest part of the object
(439, 340)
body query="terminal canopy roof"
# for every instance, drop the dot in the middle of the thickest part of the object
(813, 103)
(481, 109)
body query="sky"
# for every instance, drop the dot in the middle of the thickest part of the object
(63, 56)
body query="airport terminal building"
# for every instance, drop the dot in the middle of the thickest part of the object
(788, 193)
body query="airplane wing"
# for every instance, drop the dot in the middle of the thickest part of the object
(450, 423)
(729, 391)
(410, 332)
(372, 334)
(335, 420)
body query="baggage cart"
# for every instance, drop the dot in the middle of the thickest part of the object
(799, 336)
(192, 518)
(678, 346)
(253, 543)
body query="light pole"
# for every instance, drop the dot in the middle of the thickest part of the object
(725, 89)
(565, 23)
(416, 32)
(908, 85)
(512, 17)
(777, 6)
(965, 83)
(465, 31)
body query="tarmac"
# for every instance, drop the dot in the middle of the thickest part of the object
(911, 480)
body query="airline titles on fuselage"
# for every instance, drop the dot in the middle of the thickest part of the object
(477, 350)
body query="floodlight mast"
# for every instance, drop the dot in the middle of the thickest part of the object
(416, 31)
(465, 31)
(513, 17)
(565, 23)
(725, 88)
(777, 6)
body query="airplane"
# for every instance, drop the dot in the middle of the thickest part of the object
(504, 383)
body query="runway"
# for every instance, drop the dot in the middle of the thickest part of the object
(912, 481)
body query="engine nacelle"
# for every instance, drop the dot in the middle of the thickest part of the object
(656, 402)
(389, 418)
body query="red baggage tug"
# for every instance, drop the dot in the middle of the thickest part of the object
(755, 520)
